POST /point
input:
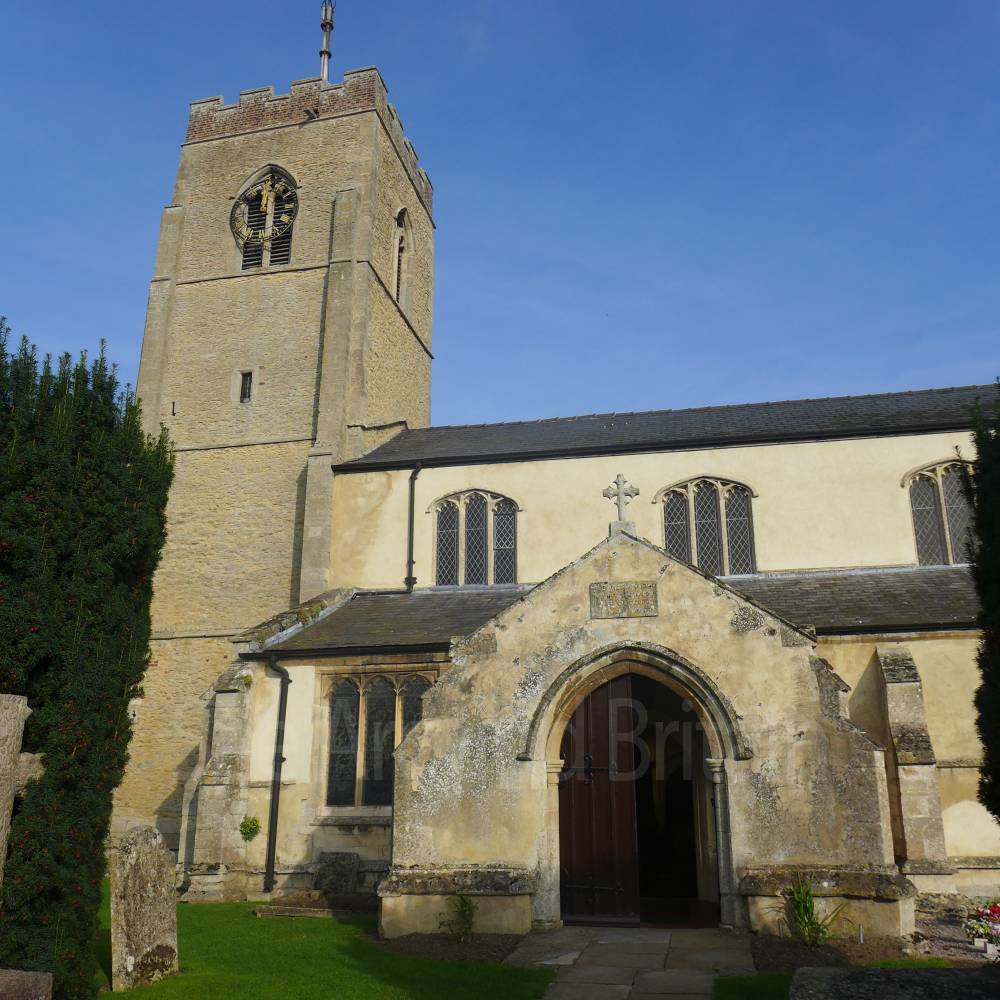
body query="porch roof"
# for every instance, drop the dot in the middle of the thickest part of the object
(835, 602)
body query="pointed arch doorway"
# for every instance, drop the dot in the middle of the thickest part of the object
(637, 825)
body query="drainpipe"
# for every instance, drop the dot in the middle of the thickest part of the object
(279, 759)
(411, 580)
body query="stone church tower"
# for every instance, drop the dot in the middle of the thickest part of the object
(288, 329)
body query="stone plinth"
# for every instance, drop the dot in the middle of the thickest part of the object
(17, 985)
(143, 910)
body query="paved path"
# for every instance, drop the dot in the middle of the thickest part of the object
(611, 963)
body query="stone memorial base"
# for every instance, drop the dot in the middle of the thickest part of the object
(16, 985)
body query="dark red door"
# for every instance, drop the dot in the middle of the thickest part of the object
(598, 843)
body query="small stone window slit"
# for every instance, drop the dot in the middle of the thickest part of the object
(246, 386)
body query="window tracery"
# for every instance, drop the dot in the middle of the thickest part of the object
(475, 539)
(708, 522)
(942, 518)
(369, 717)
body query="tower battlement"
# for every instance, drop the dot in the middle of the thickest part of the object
(310, 100)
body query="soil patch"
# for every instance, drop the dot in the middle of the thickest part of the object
(774, 954)
(481, 949)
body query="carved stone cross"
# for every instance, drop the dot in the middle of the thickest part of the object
(620, 494)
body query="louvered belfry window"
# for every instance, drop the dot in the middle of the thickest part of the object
(942, 518)
(709, 523)
(274, 252)
(476, 539)
(368, 718)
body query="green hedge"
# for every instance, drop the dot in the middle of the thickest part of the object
(82, 498)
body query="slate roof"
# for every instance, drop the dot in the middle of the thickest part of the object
(919, 411)
(835, 602)
(884, 600)
(424, 619)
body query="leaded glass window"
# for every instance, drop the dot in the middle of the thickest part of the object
(447, 544)
(942, 519)
(380, 740)
(342, 777)
(957, 514)
(475, 540)
(707, 530)
(708, 522)
(739, 530)
(364, 734)
(676, 529)
(413, 701)
(505, 542)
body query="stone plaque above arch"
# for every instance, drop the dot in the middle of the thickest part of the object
(628, 599)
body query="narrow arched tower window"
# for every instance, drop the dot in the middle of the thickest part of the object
(708, 522)
(401, 249)
(942, 519)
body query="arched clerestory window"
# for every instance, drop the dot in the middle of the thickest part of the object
(708, 522)
(475, 539)
(942, 518)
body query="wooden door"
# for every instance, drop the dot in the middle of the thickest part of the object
(598, 841)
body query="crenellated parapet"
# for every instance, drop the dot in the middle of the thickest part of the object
(310, 100)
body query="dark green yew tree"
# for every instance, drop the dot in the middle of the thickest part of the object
(82, 498)
(983, 487)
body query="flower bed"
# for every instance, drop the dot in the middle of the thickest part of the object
(983, 929)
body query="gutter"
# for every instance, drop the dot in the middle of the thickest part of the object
(279, 759)
(299, 654)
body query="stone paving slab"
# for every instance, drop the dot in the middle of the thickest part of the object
(675, 981)
(584, 991)
(618, 948)
(611, 958)
(607, 974)
(631, 935)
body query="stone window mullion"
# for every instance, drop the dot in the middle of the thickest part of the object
(461, 541)
(399, 682)
(943, 508)
(723, 526)
(692, 536)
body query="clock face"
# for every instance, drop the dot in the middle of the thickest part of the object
(265, 211)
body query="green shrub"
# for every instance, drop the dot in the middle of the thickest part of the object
(249, 828)
(463, 918)
(806, 925)
(82, 498)
(983, 490)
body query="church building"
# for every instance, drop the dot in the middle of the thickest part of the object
(611, 668)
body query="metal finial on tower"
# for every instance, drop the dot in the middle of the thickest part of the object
(324, 53)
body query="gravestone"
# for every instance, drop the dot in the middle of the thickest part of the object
(143, 910)
(16, 985)
(13, 713)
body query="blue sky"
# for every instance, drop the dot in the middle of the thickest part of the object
(639, 205)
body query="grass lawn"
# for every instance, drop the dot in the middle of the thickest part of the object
(226, 952)
(775, 985)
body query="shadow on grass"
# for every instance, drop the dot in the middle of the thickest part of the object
(227, 953)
